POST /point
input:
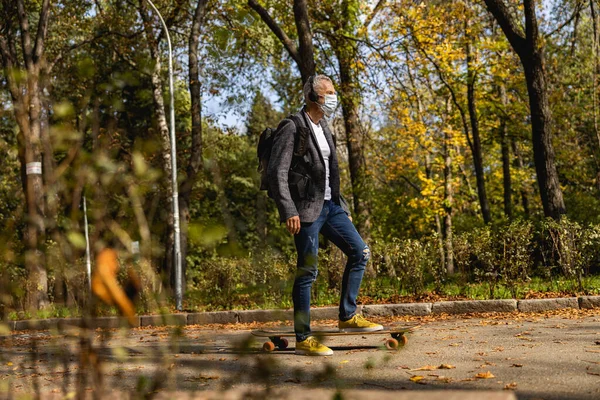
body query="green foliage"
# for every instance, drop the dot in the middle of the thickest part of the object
(233, 282)
(496, 257)
(407, 262)
(568, 247)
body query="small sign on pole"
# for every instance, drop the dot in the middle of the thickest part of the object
(33, 168)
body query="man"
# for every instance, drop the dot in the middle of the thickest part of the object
(316, 206)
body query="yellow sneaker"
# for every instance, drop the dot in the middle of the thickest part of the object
(358, 324)
(312, 347)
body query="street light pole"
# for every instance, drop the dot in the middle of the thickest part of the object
(176, 228)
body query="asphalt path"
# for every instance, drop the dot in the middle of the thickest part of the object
(553, 355)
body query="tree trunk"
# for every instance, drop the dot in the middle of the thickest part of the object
(163, 128)
(306, 63)
(519, 164)
(195, 160)
(448, 203)
(595, 73)
(303, 53)
(477, 154)
(27, 107)
(350, 100)
(541, 124)
(505, 145)
(530, 50)
(441, 245)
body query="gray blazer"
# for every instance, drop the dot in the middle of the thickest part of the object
(279, 166)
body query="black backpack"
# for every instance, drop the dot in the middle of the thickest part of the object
(299, 177)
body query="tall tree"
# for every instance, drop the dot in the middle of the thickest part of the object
(474, 119)
(303, 51)
(344, 31)
(529, 47)
(152, 40)
(195, 158)
(505, 148)
(23, 50)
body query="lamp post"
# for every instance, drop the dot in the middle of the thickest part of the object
(176, 228)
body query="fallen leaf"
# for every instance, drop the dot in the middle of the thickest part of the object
(485, 375)
(426, 368)
(446, 366)
(510, 386)
(344, 362)
(416, 378)
(517, 365)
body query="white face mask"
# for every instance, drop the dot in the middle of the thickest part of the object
(330, 104)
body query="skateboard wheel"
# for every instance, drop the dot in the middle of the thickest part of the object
(268, 347)
(283, 344)
(403, 340)
(392, 344)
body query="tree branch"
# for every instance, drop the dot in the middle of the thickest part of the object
(8, 63)
(452, 93)
(531, 25)
(380, 5)
(514, 33)
(63, 52)
(306, 62)
(25, 37)
(289, 45)
(42, 31)
(577, 11)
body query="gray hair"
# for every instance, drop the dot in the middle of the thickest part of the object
(318, 79)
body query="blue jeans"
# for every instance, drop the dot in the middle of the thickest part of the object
(335, 225)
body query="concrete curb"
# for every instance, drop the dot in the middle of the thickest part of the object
(537, 305)
(321, 313)
(474, 306)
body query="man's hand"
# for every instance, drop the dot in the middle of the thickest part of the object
(293, 225)
(350, 218)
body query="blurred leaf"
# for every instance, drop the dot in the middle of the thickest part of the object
(139, 163)
(76, 239)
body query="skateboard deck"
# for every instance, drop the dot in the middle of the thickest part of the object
(278, 337)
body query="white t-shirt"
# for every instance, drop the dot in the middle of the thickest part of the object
(325, 152)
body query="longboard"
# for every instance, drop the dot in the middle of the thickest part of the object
(278, 337)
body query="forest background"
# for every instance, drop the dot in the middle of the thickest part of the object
(467, 132)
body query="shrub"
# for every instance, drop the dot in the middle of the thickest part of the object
(515, 261)
(569, 247)
(407, 261)
(501, 256)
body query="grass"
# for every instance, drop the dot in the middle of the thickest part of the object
(373, 291)
(385, 290)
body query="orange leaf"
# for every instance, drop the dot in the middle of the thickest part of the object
(485, 375)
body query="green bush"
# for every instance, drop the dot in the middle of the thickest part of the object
(568, 248)
(407, 261)
(225, 282)
(496, 256)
